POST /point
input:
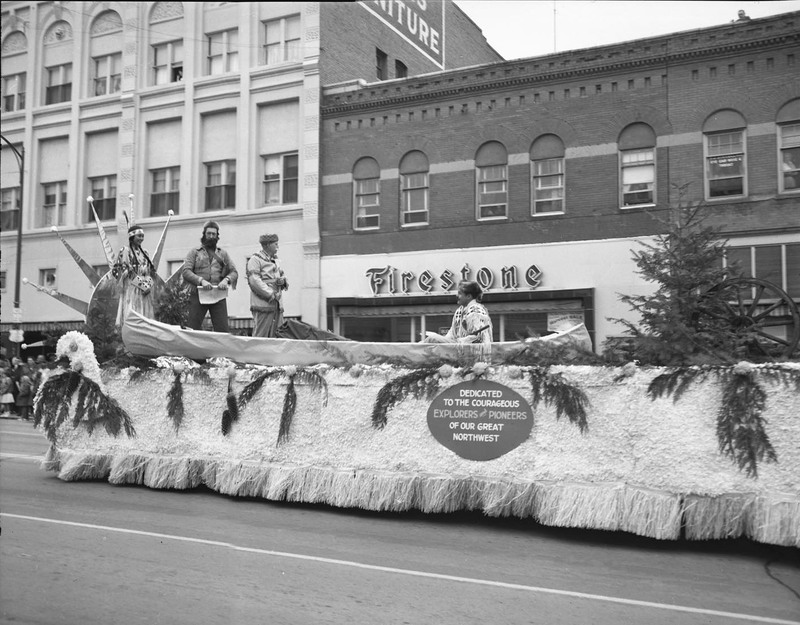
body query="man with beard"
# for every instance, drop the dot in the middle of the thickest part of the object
(209, 269)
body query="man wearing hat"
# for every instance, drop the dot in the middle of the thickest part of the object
(134, 270)
(267, 284)
(209, 271)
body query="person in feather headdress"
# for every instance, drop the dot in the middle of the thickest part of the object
(135, 273)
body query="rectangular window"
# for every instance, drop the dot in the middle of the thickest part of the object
(220, 185)
(282, 40)
(400, 69)
(9, 210)
(167, 62)
(14, 93)
(223, 52)
(59, 84)
(164, 190)
(2, 281)
(104, 191)
(548, 186)
(280, 179)
(106, 76)
(414, 199)
(789, 137)
(48, 278)
(725, 164)
(638, 177)
(381, 65)
(367, 203)
(492, 191)
(55, 203)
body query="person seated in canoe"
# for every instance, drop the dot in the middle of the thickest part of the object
(471, 322)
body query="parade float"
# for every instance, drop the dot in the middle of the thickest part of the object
(699, 452)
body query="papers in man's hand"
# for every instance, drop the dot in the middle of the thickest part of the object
(212, 296)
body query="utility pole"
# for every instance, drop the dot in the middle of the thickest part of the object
(16, 333)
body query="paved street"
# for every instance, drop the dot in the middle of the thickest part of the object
(92, 553)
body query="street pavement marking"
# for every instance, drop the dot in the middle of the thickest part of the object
(413, 573)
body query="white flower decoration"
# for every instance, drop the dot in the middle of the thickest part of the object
(629, 369)
(356, 371)
(77, 347)
(514, 372)
(479, 368)
(743, 368)
(445, 371)
(290, 371)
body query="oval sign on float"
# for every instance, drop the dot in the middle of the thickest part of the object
(480, 420)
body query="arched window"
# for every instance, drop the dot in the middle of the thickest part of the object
(105, 49)
(547, 175)
(491, 177)
(366, 194)
(414, 189)
(166, 44)
(789, 147)
(15, 60)
(57, 63)
(637, 164)
(725, 148)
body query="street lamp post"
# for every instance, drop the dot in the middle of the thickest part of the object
(20, 156)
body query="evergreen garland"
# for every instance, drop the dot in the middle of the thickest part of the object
(289, 406)
(740, 426)
(93, 406)
(249, 391)
(676, 382)
(421, 383)
(569, 400)
(175, 408)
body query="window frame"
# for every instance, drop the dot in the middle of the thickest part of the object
(106, 204)
(16, 96)
(629, 166)
(283, 180)
(289, 50)
(783, 149)
(112, 80)
(407, 195)
(12, 223)
(480, 183)
(58, 92)
(58, 207)
(171, 68)
(226, 188)
(707, 156)
(358, 193)
(538, 175)
(170, 197)
(43, 273)
(229, 58)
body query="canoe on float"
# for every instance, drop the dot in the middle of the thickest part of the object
(151, 338)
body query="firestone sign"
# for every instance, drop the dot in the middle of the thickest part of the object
(419, 22)
(480, 420)
(392, 280)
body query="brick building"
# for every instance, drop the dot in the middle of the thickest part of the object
(208, 109)
(538, 176)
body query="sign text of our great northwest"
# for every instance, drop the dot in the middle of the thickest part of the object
(391, 280)
(480, 420)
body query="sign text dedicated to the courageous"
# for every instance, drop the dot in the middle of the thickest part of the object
(480, 420)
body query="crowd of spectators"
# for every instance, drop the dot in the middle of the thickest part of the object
(19, 382)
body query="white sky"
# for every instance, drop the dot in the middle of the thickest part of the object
(525, 28)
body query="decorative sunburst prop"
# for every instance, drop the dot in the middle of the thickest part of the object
(104, 300)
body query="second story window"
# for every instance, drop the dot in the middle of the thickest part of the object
(282, 40)
(491, 176)
(164, 190)
(106, 76)
(725, 164)
(167, 62)
(220, 185)
(280, 179)
(14, 92)
(414, 189)
(547, 175)
(790, 158)
(104, 191)
(638, 174)
(223, 52)
(58, 84)
(366, 194)
(9, 209)
(55, 204)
